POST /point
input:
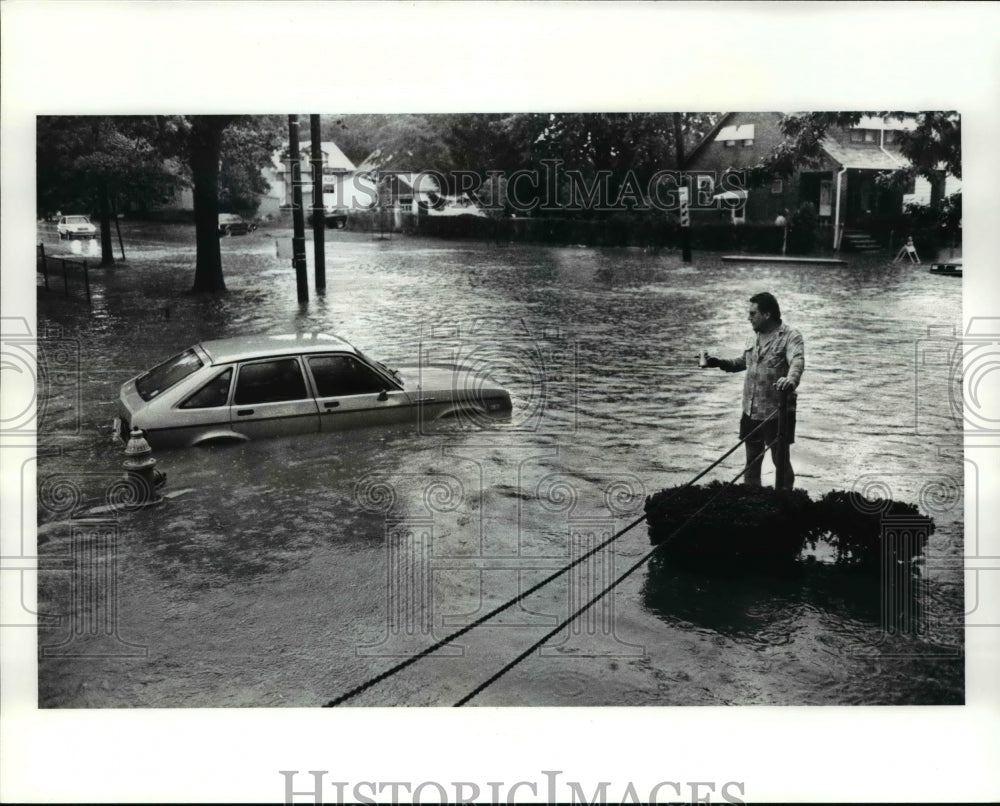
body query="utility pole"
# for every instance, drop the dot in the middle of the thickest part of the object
(319, 208)
(298, 219)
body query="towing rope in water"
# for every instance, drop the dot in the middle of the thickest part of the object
(632, 569)
(524, 594)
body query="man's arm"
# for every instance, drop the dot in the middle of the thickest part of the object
(795, 354)
(727, 364)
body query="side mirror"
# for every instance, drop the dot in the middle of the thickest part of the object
(383, 395)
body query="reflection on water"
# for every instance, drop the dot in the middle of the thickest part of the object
(762, 607)
(598, 349)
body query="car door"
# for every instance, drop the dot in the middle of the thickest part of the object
(271, 399)
(352, 394)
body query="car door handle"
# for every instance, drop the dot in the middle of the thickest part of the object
(243, 412)
(331, 404)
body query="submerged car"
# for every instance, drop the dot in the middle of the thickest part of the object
(232, 224)
(75, 226)
(275, 385)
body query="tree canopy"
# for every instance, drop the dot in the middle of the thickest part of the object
(95, 164)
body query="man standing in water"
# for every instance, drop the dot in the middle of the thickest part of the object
(773, 359)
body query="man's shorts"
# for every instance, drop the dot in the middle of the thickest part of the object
(769, 432)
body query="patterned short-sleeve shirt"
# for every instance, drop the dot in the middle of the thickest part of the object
(783, 356)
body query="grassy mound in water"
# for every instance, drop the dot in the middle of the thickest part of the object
(735, 524)
(730, 522)
(862, 530)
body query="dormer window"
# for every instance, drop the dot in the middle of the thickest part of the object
(865, 135)
(729, 136)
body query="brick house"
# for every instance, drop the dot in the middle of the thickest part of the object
(842, 187)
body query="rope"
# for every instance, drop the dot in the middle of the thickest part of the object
(362, 687)
(632, 569)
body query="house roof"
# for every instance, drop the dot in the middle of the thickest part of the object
(862, 156)
(846, 154)
(708, 138)
(335, 158)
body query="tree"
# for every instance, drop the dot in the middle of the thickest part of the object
(407, 142)
(626, 148)
(248, 144)
(204, 153)
(222, 157)
(100, 162)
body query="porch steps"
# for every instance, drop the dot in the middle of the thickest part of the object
(856, 240)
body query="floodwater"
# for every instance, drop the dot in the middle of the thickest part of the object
(286, 572)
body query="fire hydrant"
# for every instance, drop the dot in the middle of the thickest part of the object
(140, 468)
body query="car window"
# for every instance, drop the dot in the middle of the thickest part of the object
(163, 376)
(212, 394)
(270, 382)
(338, 375)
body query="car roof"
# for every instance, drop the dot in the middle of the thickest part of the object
(240, 348)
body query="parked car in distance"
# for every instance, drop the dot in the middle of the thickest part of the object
(333, 217)
(951, 268)
(75, 226)
(456, 205)
(232, 224)
(274, 385)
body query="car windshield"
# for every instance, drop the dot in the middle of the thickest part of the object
(77, 219)
(170, 372)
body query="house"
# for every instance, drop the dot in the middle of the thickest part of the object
(842, 186)
(398, 187)
(337, 173)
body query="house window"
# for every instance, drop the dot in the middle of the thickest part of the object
(705, 185)
(777, 187)
(857, 136)
(890, 137)
(748, 143)
(871, 136)
(729, 143)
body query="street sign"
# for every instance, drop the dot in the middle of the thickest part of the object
(685, 214)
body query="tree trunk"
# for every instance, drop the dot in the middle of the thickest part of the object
(107, 247)
(206, 146)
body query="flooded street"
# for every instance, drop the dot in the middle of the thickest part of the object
(285, 572)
